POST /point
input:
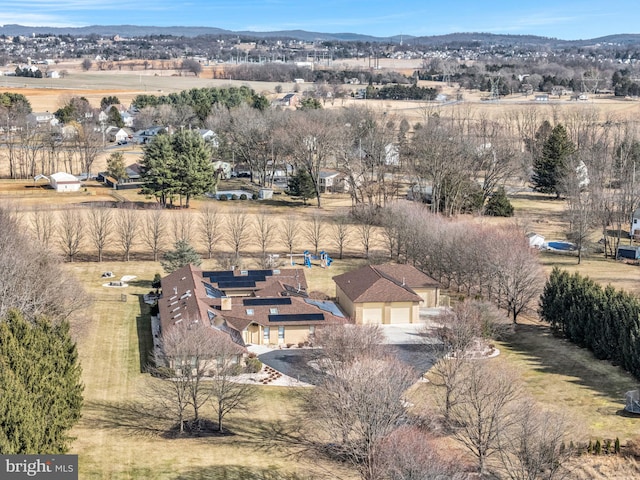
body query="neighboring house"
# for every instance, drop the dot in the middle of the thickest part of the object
(122, 136)
(42, 119)
(134, 173)
(209, 136)
(331, 181)
(264, 307)
(386, 294)
(635, 224)
(289, 100)
(64, 182)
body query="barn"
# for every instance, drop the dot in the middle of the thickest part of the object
(64, 182)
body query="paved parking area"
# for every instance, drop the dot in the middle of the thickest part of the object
(407, 341)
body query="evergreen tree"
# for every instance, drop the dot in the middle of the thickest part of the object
(499, 205)
(115, 166)
(182, 254)
(40, 389)
(194, 169)
(550, 166)
(114, 118)
(177, 165)
(301, 186)
(158, 169)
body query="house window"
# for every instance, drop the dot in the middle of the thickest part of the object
(249, 311)
(635, 220)
(273, 311)
(280, 334)
(266, 334)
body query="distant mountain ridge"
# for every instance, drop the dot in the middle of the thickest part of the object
(452, 38)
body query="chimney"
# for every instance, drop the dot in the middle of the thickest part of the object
(225, 304)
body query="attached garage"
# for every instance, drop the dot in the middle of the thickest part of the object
(384, 294)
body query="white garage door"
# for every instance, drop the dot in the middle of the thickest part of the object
(371, 315)
(400, 315)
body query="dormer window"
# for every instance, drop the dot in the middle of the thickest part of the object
(273, 311)
(249, 311)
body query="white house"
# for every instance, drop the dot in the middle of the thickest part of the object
(635, 223)
(64, 182)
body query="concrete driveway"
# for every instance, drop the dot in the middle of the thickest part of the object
(405, 340)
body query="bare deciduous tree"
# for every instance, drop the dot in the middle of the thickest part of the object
(182, 223)
(289, 232)
(487, 406)
(265, 231)
(127, 227)
(153, 231)
(227, 394)
(534, 448)
(185, 356)
(70, 232)
(314, 231)
(210, 228)
(237, 230)
(356, 407)
(42, 222)
(411, 453)
(340, 233)
(99, 219)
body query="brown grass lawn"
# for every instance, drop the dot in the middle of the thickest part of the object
(116, 439)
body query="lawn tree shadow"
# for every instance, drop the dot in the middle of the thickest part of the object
(145, 336)
(578, 363)
(240, 472)
(128, 417)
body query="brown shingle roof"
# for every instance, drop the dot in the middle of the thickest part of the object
(383, 283)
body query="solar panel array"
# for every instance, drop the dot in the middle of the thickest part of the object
(296, 317)
(237, 284)
(256, 302)
(227, 279)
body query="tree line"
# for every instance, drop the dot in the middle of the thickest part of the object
(604, 320)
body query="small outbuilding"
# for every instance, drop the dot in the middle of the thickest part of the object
(535, 240)
(631, 252)
(64, 182)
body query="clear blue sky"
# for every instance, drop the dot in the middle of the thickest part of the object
(566, 19)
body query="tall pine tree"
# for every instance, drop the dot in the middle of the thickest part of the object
(550, 166)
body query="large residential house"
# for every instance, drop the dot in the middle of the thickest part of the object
(263, 307)
(385, 294)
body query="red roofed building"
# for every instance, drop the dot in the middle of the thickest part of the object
(385, 294)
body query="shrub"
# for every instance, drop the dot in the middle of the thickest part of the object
(243, 196)
(223, 198)
(252, 355)
(597, 449)
(234, 197)
(616, 446)
(499, 205)
(253, 365)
